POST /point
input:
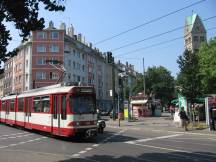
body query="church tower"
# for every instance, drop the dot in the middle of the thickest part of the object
(194, 33)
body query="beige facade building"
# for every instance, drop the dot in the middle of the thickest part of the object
(1, 84)
(194, 33)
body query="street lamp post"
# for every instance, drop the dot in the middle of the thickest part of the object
(119, 117)
(121, 77)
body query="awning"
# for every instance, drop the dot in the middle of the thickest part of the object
(200, 100)
(139, 101)
(175, 101)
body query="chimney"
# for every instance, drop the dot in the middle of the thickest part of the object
(63, 26)
(90, 45)
(79, 37)
(71, 31)
(51, 25)
(84, 39)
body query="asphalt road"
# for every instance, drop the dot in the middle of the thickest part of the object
(116, 144)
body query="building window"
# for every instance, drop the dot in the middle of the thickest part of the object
(40, 75)
(41, 35)
(41, 48)
(83, 67)
(74, 77)
(78, 66)
(20, 79)
(202, 39)
(78, 78)
(53, 75)
(54, 48)
(69, 62)
(74, 52)
(26, 63)
(74, 65)
(54, 35)
(195, 38)
(26, 77)
(41, 62)
(69, 76)
(83, 56)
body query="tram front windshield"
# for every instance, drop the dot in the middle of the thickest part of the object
(82, 104)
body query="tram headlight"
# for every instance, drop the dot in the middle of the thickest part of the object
(77, 124)
(74, 123)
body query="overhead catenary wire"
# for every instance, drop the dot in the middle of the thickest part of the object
(148, 22)
(156, 44)
(156, 35)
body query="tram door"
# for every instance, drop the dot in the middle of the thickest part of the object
(59, 114)
(3, 111)
(28, 106)
(7, 111)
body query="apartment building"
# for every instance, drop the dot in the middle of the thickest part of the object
(1, 85)
(33, 66)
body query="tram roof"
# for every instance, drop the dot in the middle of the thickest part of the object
(53, 89)
(46, 90)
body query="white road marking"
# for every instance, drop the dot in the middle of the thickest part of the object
(95, 145)
(16, 144)
(196, 143)
(16, 136)
(192, 133)
(75, 155)
(151, 139)
(12, 134)
(161, 148)
(175, 150)
(82, 152)
(88, 149)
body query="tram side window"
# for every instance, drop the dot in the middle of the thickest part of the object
(20, 104)
(11, 105)
(45, 104)
(63, 113)
(3, 105)
(37, 104)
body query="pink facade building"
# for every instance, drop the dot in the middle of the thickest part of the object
(46, 45)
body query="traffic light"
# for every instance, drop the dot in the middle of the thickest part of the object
(109, 57)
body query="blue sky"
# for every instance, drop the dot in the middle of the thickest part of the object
(100, 19)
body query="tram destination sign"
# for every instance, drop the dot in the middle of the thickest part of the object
(85, 90)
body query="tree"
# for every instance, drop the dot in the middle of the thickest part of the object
(189, 79)
(24, 15)
(138, 86)
(207, 65)
(159, 83)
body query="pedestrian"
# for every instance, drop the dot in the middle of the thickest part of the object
(172, 114)
(184, 118)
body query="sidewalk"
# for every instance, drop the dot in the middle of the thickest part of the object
(164, 123)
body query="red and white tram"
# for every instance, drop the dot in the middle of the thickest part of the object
(60, 110)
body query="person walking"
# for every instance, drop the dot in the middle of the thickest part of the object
(184, 118)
